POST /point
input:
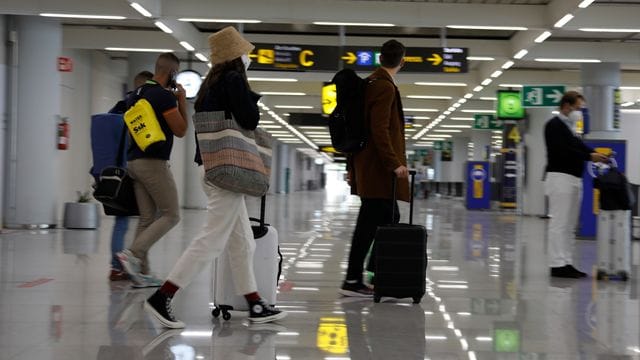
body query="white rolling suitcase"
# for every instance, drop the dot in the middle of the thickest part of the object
(267, 263)
(614, 224)
(614, 244)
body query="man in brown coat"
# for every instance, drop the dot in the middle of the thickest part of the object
(373, 168)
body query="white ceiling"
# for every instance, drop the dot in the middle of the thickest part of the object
(418, 24)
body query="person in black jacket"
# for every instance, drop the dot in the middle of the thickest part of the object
(566, 155)
(224, 89)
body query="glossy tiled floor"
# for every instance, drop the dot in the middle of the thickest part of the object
(489, 296)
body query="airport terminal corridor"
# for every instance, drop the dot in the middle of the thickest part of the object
(489, 295)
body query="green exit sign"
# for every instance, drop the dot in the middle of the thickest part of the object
(542, 96)
(510, 105)
(487, 122)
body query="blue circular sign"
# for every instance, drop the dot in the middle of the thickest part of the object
(478, 174)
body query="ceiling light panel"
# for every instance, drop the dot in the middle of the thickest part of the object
(228, 21)
(82, 16)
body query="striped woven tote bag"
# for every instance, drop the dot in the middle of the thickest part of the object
(234, 158)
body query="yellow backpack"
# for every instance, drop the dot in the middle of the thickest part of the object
(143, 124)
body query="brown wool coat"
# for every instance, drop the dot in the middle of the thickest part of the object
(384, 152)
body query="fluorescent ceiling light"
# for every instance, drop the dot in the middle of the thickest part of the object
(568, 60)
(81, 16)
(463, 118)
(273, 79)
(484, 338)
(478, 111)
(507, 65)
(520, 54)
(139, 8)
(245, 21)
(478, 88)
(496, 74)
(628, 103)
(585, 3)
(629, 87)
(456, 126)
(137, 49)
(429, 97)
(282, 93)
(562, 22)
(439, 135)
(462, 101)
(294, 107)
(282, 135)
(187, 46)
(447, 131)
(333, 23)
(456, 105)
(487, 82)
(542, 37)
(314, 127)
(610, 30)
(447, 112)
(271, 126)
(480, 58)
(420, 118)
(511, 85)
(488, 98)
(428, 83)
(483, 27)
(201, 57)
(421, 110)
(630, 111)
(468, 96)
(163, 27)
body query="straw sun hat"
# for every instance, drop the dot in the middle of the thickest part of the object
(227, 44)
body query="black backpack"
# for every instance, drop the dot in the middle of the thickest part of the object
(615, 190)
(347, 122)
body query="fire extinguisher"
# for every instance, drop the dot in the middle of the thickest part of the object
(63, 134)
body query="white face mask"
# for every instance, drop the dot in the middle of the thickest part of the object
(575, 116)
(246, 61)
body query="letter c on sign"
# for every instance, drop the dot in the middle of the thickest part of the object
(303, 58)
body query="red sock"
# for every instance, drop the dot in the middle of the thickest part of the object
(169, 289)
(252, 297)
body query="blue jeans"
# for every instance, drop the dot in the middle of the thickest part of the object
(117, 240)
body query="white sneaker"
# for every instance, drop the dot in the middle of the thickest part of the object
(131, 264)
(146, 281)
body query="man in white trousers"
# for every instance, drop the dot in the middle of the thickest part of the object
(566, 154)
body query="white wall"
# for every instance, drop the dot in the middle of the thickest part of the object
(630, 128)
(94, 86)
(3, 109)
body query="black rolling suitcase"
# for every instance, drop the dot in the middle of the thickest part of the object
(401, 257)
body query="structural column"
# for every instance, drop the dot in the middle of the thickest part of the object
(535, 158)
(599, 83)
(481, 140)
(4, 86)
(32, 179)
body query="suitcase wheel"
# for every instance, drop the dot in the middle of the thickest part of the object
(226, 315)
(417, 299)
(215, 312)
(623, 276)
(377, 298)
(602, 275)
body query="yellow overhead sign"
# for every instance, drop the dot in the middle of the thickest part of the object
(329, 98)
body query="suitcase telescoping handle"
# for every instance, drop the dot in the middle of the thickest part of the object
(412, 174)
(263, 205)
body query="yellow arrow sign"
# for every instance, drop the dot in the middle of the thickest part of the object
(436, 59)
(350, 58)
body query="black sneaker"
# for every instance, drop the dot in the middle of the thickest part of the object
(159, 305)
(355, 290)
(576, 271)
(261, 312)
(565, 272)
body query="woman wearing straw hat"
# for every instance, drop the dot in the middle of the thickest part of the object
(224, 89)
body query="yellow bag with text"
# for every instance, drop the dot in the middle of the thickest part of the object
(143, 124)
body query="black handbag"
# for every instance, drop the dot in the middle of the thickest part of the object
(114, 188)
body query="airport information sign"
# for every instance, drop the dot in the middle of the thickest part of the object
(287, 57)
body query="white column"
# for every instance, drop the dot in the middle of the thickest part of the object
(193, 194)
(481, 139)
(3, 110)
(599, 82)
(536, 160)
(33, 175)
